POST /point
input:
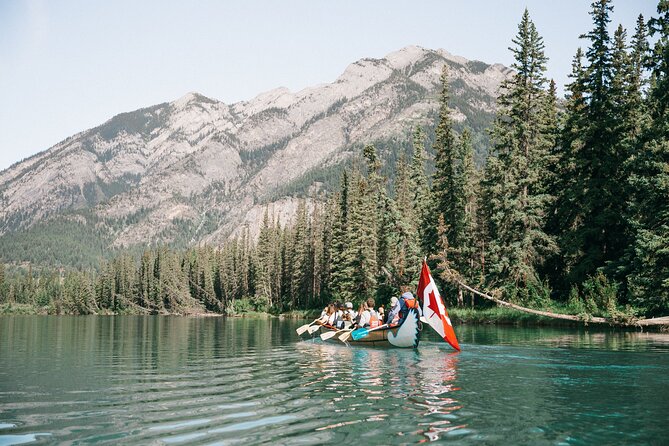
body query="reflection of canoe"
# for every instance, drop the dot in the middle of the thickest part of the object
(406, 335)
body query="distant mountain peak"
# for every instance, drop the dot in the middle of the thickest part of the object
(191, 97)
(406, 56)
(198, 170)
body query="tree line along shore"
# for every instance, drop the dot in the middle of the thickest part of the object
(569, 214)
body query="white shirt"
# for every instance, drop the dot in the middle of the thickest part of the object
(366, 317)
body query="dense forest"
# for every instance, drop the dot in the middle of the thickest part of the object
(569, 212)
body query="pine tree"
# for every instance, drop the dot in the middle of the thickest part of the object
(106, 287)
(597, 232)
(317, 249)
(205, 283)
(361, 253)
(300, 276)
(330, 250)
(265, 261)
(145, 281)
(157, 291)
(175, 293)
(341, 270)
(639, 60)
(648, 282)
(443, 184)
(467, 179)
(422, 203)
(400, 220)
(566, 209)
(516, 202)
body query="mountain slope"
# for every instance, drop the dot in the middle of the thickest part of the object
(196, 169)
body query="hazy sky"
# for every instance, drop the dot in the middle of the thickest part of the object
(69, 65)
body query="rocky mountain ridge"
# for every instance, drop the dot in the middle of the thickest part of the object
(197, 169)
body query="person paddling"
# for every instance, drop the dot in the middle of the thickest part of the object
(368, 317)
(394, 313)
(350, 314)
(328, 316)
(401, 308)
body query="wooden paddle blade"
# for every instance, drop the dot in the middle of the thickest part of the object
(302, 329)
(314, 328)
(344, 337)
(328, 334)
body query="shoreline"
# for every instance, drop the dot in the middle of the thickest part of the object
(460, 316)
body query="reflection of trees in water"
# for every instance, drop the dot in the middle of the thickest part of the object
(393, 386)
(626, 340)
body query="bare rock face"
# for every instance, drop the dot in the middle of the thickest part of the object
(197, 169)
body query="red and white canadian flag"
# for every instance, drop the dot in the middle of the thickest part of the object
(434, 309)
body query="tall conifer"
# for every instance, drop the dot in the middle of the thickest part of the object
(515, 197)
(649, 279)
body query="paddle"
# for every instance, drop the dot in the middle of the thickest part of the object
(363, 332)
(315, 328)
(331, 334)
(344, 337)
(304, 327)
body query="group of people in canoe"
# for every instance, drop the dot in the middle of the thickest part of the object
(338, 315)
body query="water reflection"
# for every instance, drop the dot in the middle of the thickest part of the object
(556, 337)
(164, 380)
(357, 380)
(437, 377)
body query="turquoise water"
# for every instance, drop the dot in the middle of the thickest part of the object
(178, 380)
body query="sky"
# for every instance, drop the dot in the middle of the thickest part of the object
(70, 65)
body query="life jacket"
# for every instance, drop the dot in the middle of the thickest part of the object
(373, 319)
(407, 302)
(411, 303)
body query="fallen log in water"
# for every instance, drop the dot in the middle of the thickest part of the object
(453, 277)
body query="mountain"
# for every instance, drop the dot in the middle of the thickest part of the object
(197, 169)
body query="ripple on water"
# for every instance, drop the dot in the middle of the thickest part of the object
(256, 384)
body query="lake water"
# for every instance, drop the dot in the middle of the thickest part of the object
(178, 380)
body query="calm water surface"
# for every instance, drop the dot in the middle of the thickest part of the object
(178, 380)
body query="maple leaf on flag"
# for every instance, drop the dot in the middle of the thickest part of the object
(434, 305)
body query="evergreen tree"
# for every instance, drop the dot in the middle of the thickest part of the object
(444, 187)
(145, 281)
(341, 270)
(515, 197)
(400, 220)
(265, 262)
(649, 278)
(330, 250)
(465, 252)
(639, 59)
(205, 284)
(597, 233)
(566, 186)
(317, 249)
(300, 279)
(422, 203)
(361, 252)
